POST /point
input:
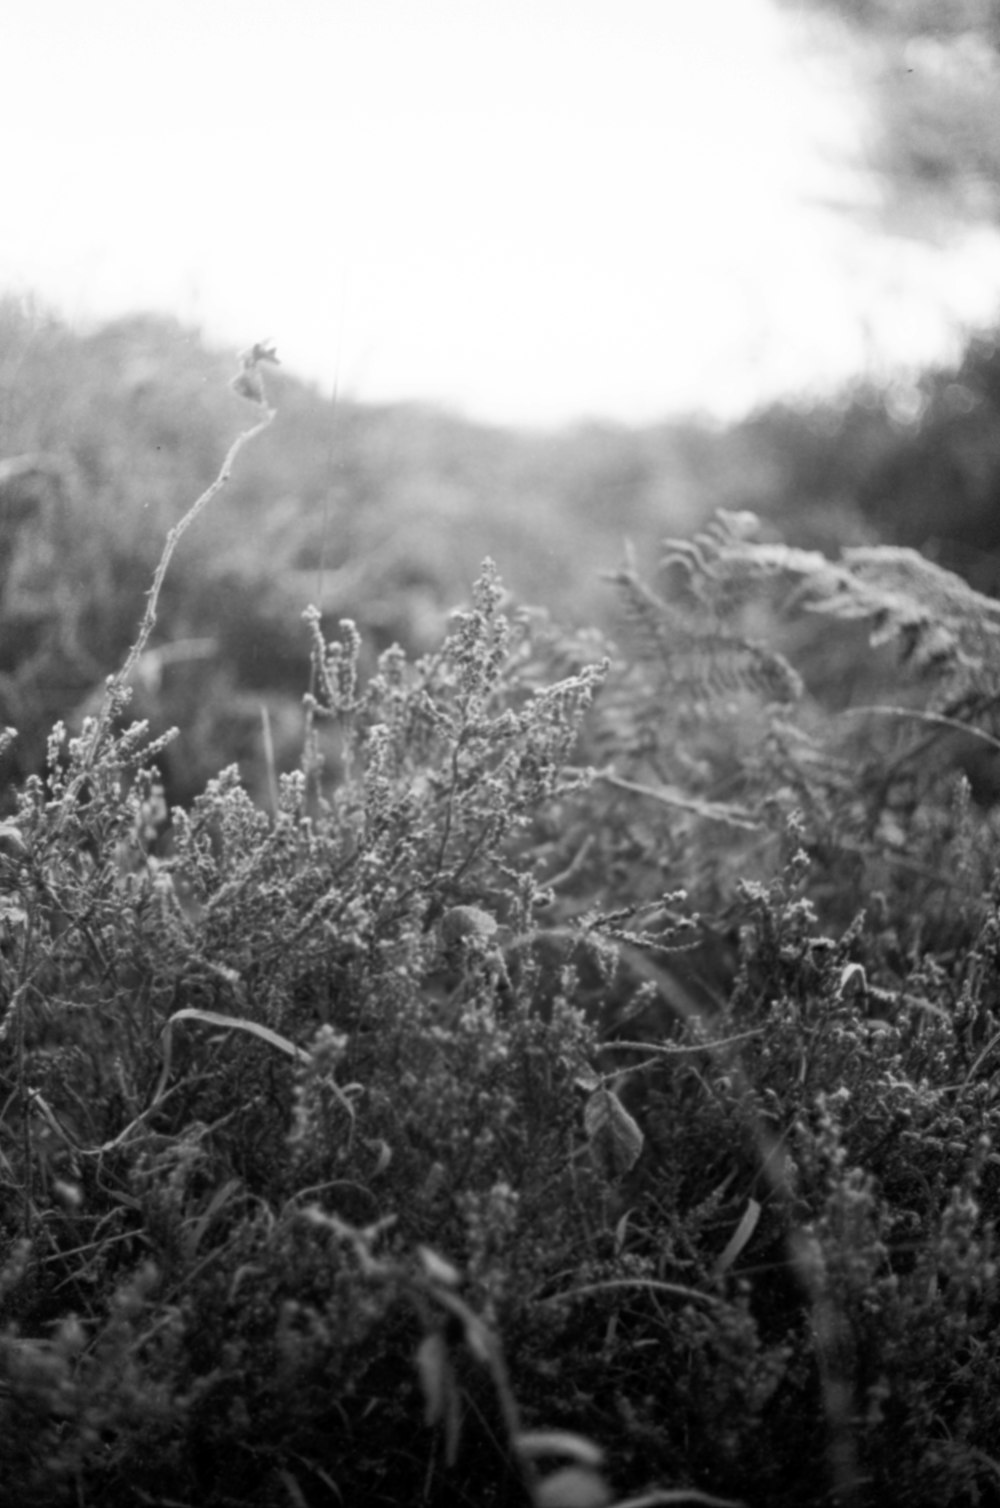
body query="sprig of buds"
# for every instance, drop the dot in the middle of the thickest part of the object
(248, 382)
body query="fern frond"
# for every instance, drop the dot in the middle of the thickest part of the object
(939, 624)
(941, 621)
(697, 655)
(724, 568)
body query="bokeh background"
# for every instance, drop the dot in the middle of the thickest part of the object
(545, 279)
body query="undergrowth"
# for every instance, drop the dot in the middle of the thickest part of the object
(579, 1087)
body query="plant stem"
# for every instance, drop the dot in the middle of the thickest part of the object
(117, 683)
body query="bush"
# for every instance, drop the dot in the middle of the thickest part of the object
(583, 1073)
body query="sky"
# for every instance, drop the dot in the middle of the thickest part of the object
(532, 211)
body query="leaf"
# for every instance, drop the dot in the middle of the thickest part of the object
(452, 1426)
(193, 1233)
(382, 1151)
(477, 1335)
(12, 844)
(663, 1495)
(463, 923)
(741, 1235)
(621, 1233)
(852, 981)
(573, 1487)
(437, 1268)
(616, 1140)
(477, 1338)
(14, 916)
(441, 1400)
(558, 1442)
(434, 1371)
(240, 1024)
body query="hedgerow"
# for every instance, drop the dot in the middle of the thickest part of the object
(578, 1086)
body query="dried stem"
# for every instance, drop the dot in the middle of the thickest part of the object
(172, 541)
(116, 684)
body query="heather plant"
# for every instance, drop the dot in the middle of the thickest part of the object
(574, 1086)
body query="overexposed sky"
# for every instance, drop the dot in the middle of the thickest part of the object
(531, 210)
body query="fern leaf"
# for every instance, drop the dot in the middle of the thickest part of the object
(699, 659)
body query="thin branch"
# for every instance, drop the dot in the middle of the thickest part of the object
(679, 1049)
(172, 541)
(116, 684)
(712, 811)
(920, 715)
(652, 1285)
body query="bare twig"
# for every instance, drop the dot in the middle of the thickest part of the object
(712, 811)
(113, 696)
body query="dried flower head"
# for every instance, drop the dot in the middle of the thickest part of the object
(248, 382)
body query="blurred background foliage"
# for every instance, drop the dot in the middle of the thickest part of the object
(929, 74)
(383, 514)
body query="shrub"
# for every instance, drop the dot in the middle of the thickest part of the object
(421, 1136)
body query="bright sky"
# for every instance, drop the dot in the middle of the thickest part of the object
(532, 210)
